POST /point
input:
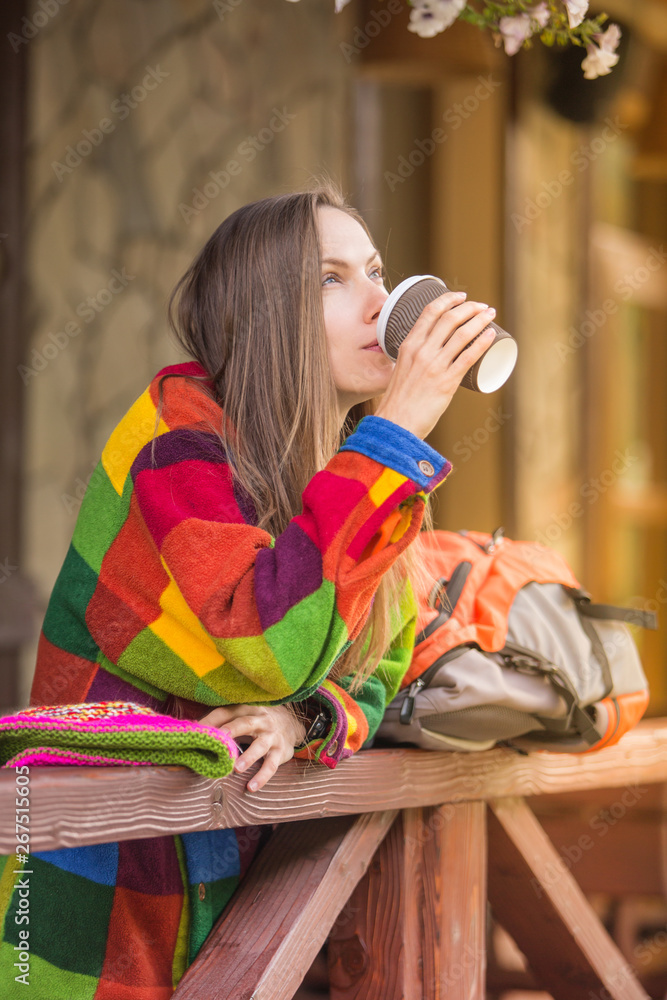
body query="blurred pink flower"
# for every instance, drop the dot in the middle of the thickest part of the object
(514, 31)
(602, 56)
(541, 14)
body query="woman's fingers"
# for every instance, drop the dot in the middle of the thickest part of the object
(464, 336)
(245, 725)
(447, 324)
(272, 729)
(258, 748)
(272, 762)
(430, 315)
(437, 324)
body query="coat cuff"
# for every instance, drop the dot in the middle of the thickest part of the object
(399, 449)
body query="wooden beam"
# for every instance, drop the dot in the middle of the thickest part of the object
(127, 803)
(281, 914)
(414, 928)
(534, 896)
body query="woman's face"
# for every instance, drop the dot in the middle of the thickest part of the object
(353, 293)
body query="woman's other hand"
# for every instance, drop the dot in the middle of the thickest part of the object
(275, 732)
(433, 359)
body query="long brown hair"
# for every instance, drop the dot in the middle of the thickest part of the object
(249, 310)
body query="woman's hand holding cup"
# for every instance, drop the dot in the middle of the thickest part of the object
(442, 345)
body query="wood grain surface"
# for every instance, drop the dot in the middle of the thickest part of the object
(536, 899)
(414, 928)
(71, 806)
(453, 875)
(280, 916)
(366, 951)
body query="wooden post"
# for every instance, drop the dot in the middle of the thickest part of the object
(414, 927)
(366, 945)
(456, 902)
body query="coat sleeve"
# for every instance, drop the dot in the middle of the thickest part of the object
(354, 719)
(260, 619)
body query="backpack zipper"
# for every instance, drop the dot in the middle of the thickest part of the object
(408, 705)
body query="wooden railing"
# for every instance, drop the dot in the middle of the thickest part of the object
(391, 857)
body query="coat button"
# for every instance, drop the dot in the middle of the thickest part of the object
(426, 468)
(202, 891)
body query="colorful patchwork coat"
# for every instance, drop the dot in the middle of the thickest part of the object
(170, 591)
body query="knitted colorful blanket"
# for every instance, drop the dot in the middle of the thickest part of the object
(109, 733)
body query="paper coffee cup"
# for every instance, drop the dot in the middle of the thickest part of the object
(402, 310)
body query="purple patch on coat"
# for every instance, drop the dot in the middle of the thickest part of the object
(178, 446)
(286, 574)
(107, 687)
(149, 865)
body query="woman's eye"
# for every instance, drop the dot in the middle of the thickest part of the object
(379, 271)
(329, 277)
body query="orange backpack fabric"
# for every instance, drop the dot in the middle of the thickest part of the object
(481, 613)
(492, 570)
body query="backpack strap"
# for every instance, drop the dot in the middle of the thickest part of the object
(450, 589)
(606, 612)
(609, 612)
(528, 661)
(582, 603)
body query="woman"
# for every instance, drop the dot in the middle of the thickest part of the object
(242, 556)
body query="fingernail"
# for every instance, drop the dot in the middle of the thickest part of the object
(252, 785)
(460, 295)
(240, 766)
(491, 311)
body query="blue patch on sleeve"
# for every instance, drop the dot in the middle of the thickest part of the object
(393, 446)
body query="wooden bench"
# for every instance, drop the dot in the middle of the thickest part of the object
(391, 857)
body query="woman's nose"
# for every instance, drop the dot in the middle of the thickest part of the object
(377, 297)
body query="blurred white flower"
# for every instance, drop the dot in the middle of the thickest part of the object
(514, 31)
(430, 17)
(602, 56)
(541, 14)
(576, 11)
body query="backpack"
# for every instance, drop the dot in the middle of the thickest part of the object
(510, 649)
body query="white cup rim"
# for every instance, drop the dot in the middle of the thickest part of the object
(389, 304)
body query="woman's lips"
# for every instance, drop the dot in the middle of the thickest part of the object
(373, 347)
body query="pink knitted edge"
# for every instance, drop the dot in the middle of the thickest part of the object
(164, 724)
